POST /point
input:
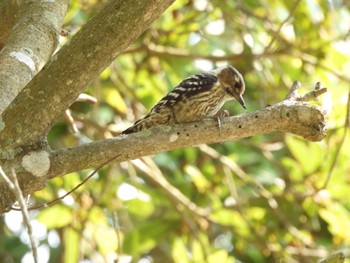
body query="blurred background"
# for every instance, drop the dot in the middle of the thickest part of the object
(272, 198)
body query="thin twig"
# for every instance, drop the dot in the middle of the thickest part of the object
(312, 60)
(15, 188)
(69, 118)
(293, 92)
(176, 196)
(180, 201)
(294, 8)
(259, 189)
(68, 193)
(161, 52)
(68, 114)
(335, 258)
(312, 95)
(87, 98)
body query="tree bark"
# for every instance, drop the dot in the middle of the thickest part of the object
(8, 14)
(29, 45)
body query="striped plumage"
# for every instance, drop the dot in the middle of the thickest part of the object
(198, 96)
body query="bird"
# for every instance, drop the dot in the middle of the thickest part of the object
(195, 98)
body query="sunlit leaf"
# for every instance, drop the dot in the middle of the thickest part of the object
(338, 219)
(197, 251)
(56, 216)
(197, 177)
(179, 251)
(140, 208)
(112, 96)
(220, 256)
(146, 236)
(106, 239)
(309, 155)
(230, 218)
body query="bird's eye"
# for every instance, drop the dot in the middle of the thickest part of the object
(237, 85)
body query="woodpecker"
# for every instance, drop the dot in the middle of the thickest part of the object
(198, 96)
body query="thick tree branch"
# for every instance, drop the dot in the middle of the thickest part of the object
(58, 85)
(292, 115)
(29, 45)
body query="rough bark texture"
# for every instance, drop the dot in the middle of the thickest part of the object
(8, 14)
(29, 45)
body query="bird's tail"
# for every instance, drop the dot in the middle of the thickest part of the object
(138, 126)
(151, 120)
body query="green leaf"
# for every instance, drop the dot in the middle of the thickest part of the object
(230, 218)
(56, 216)
(147, 235)
(338, 219)
(179, 251)
(106, 239)
(197, 177)
(197, 251)
(113, 98)
(309, 155)
(140, 208)
(220, 256)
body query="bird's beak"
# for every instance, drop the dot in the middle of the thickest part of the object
(241, 101)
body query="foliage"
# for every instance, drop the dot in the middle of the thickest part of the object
(272, 197)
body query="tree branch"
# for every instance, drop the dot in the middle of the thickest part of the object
(292, 115)
(164, 52)
(288, 116)
(58, 85)
(29, 45)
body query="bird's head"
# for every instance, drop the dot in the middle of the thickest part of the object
(233, 83)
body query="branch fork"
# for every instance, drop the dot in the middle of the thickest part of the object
(312, 95)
